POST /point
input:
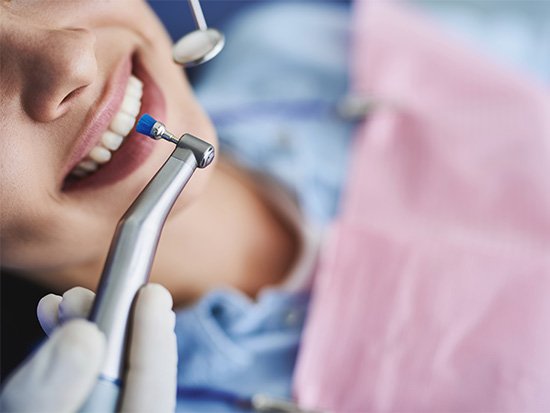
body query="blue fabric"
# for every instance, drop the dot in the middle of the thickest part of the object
(513, 32)
(178, 20)
(271, 94)
(230, 343)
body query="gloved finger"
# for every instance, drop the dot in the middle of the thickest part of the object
(53, 310)
(77, 303)
(47, 311)
(152, 374)
(60, 374)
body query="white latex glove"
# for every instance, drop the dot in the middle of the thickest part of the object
(61, 374)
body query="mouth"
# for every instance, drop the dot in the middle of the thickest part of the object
(109, 149)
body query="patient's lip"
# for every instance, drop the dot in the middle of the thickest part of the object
(136, 148)
(99, 119)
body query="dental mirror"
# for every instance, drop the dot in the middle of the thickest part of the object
(200, 45)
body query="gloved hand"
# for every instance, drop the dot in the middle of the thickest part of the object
(59, 376)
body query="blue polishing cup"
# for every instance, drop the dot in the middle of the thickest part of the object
(145, 124)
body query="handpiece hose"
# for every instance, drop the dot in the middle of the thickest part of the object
(131, 256)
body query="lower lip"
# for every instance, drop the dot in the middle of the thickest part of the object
(135, 149)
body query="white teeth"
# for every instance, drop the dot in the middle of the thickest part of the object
(111, 140)
(134, 91)
(120, 126)
(79, 172)
(88, 166)
(130, 105)
(100, 155)
(122, 123)
(135, 83)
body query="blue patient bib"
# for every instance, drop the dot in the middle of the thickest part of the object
(271, 94)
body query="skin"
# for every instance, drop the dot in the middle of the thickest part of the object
(56, 57)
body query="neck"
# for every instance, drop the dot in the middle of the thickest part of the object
(228, 238)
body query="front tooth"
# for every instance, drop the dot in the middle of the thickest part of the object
(100, 154)
(134, 87)
(78, 172)
(111, 140)
(131, 105)
(134, 92)
(135, 83)
(88, 165)
(122, 123)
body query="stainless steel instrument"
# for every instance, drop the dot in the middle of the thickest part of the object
(131, 256)
(201, 45)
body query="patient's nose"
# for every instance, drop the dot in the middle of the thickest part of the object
(54, 66)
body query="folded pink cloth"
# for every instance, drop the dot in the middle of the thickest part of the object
(433, 292)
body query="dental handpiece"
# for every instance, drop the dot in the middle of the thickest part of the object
(131, 256)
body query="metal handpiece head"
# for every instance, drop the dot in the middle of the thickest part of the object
(203, 151)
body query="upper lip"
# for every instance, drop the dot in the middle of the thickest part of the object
(100, 116)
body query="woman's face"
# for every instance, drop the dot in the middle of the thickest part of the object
(68, 95)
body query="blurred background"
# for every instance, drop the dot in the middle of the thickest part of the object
(513, 32)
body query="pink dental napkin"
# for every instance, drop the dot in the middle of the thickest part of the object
(433, 290)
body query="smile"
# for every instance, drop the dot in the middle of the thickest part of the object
(109, 149)
(121, 125)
